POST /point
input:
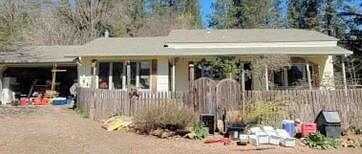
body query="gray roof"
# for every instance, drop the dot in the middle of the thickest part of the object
(40, 54)
(219, 51)
(248, 35)
(155, 46)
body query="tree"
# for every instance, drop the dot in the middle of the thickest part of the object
(14, 22)
(242, 13)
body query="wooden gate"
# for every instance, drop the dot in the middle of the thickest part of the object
(204, 96)
(228, 94)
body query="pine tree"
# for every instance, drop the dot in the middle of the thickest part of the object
(242, 13)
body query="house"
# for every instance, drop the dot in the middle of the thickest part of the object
(164, 63)
(168, 63)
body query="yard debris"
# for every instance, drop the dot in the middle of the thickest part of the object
(117, 123)
(225, 141)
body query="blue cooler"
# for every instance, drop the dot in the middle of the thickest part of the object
(288, 125)
(59, 101)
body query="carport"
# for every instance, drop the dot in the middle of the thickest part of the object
(36, 70)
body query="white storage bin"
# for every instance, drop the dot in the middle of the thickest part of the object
(288, 142)
(253, 139)
(262, 137)
(244, 138)
(275, 140)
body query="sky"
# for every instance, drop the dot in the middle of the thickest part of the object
(205, 10)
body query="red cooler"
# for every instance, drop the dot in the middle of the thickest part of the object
(308, 128)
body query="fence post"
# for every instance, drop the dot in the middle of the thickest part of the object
(92, 105)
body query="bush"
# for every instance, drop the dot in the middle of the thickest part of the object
(199, 131)
(169, 116)
(319, 141)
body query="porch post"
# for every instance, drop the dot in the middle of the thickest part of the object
(242, 77)
(344, 74)
(124, 73)
(138, 75)
(54, 75)
(94, 74)
(110, 77)
(128, 73)
(191, 85)
(309, 78)
(173, 75)
(266, 78)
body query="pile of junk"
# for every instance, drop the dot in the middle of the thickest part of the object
(39, 94)
(327, 123)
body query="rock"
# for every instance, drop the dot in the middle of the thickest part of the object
(166, 134)
(157, 132)
(190, 135)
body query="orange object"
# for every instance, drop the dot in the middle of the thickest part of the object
(308, 128)
(37, 101)
(44, 101)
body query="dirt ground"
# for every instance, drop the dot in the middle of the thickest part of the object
(53, 130)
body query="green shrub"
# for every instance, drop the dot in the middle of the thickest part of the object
(319, 141)
(199, 131)
(170, 116)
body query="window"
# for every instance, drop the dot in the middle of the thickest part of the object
(291, 76)
(103, 75)
(136, 74)
(117, 75)
(144, 75)
(297, 75)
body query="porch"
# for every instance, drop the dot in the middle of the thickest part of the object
(177, 73)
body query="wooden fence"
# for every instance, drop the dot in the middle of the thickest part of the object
(302, 104)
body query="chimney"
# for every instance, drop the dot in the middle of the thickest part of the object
(106, 34)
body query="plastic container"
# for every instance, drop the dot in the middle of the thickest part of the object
(243, 138)
(24, 101)
(59, 101)
(273, 138)
(263, 138)
(44, 101)
(308, 128)
(288, 126)
(288, 142)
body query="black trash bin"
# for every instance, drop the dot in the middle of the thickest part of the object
(208, 120)
(329, 124)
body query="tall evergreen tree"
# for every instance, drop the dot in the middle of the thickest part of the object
(242, 13)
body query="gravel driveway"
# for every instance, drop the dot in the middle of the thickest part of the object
(52, 130)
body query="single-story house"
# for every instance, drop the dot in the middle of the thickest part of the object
(164, 63)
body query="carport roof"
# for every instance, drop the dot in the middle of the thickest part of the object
(40, 54)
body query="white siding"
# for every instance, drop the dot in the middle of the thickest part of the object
(85, 75)
(181, 75)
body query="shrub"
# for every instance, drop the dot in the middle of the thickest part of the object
(199, 131)
(170, 116)
(319, 141)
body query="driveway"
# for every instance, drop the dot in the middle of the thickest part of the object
(53, 130)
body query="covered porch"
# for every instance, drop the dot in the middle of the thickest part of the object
(174, 73)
